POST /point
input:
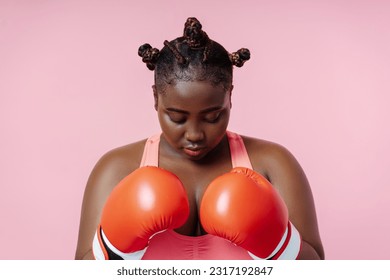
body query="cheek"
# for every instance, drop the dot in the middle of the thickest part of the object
(216, 132)
(170, 130)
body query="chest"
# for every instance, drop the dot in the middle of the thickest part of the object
(195, 181)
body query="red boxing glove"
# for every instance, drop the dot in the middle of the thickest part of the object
(148, 201)
(243, 207)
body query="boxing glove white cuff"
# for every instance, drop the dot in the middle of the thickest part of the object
(291, 251)
(288, 248)
(99, 253)
(96, 249)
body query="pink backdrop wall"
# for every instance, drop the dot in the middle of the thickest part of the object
(72, 87)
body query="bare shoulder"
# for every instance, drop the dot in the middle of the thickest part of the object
(285, 173)
(111, 168)
(270, 158)
(118, 162)
(279, 166)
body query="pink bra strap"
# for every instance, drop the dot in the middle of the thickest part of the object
(238, 151)
(150, 155)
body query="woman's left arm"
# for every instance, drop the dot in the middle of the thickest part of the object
(286, 175)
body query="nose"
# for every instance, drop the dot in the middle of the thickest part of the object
(194, 134)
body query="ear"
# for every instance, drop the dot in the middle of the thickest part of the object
(155, 95)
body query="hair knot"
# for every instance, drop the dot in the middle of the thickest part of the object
(239, 57)
(149, 55)
(194, 35)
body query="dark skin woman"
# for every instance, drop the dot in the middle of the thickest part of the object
(192, 97)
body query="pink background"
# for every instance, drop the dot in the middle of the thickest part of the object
(72, 87)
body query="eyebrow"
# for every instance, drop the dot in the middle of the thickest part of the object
(207, 110)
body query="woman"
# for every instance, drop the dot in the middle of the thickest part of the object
(195, 153)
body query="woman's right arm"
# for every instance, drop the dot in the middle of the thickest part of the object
(106, 174)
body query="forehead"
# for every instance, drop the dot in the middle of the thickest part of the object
(194, 94)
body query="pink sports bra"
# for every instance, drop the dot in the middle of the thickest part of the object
(170, 245)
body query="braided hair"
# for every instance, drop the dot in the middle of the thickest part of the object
(192, 57)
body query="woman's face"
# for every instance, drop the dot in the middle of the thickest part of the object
(193, 116)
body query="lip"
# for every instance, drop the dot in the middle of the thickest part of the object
(193, 152)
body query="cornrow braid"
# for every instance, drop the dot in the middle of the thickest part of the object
(239, 57)
(206, 51)
(180, 58)
(149, 55)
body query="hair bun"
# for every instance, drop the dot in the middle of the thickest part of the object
(193, 33)
(239, 57)
(149, 55)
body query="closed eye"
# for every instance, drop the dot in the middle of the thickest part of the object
(213, 117)
(177, 117)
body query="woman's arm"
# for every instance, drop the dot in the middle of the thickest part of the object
(99, 186)
(107, 173)
(309, 253)
(281, 168)
(286, 174)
